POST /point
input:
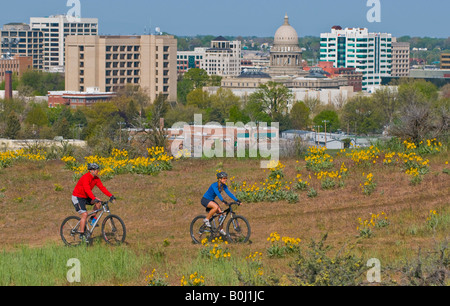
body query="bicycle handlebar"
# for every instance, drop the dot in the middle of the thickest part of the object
(232, 203)
(106, 202)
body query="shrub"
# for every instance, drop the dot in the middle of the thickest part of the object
(314, 267)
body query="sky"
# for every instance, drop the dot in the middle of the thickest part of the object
(244, 17)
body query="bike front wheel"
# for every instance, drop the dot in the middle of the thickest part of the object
(113, 230)
(199, 230)
(70, 231)
(238, 229)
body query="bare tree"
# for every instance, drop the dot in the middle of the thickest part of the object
(155, 135)
(418, 122)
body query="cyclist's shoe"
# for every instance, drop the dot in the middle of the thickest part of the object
(222, 232)
(206, 221)
(83, 238)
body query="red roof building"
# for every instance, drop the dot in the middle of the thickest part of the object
(76, 98)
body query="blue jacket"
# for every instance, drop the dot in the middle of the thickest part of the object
(213, 192)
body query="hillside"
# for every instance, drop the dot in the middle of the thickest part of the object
(157, 210)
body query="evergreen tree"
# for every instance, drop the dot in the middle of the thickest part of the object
(12, 126)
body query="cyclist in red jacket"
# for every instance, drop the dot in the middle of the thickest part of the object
(82, 195)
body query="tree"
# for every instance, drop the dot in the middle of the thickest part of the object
(184, 87)
(156, 135)
(221, 103)
(199, 77)
(40, 83)
(37, 116)
(12, 126)
(198, 98)
(388, 101)
(237, 115)
(255, 111)
(300, 116)
(135, 93)
(62, 128)
(331, 118)
(417, 91)
(362, 116)
(445, 90)
(312, 104)
(273, 97)
(182, 113)
(418, 122)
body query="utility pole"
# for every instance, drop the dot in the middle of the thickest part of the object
(120, 130)
(325, 121)
(316, 136)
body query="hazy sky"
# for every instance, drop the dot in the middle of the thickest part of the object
(244, 17)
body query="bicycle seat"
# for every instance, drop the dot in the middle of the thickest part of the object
(208, 209)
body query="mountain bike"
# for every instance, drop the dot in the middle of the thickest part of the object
(237, 229)
(113, 228)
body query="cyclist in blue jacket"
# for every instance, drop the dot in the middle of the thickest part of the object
(208, 200)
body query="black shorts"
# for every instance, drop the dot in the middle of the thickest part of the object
(205, 202)
(80, 204)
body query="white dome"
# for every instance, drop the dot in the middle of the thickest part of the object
(286, 34)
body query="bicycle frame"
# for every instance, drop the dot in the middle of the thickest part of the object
(102, 210)
(226, 212)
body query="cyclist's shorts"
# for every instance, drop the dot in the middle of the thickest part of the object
(205, 202)
(80, 204)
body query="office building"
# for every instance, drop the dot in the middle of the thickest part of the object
(369, 53)
(400, 58)
(16, 65)
(190, 59)
(223, 58)
(445, 61)
(55, 29)
(111, 62)
(19, 39)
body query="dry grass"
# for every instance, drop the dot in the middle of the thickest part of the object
(161, 207)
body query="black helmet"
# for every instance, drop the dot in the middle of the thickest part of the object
(93, 166)
(221, 175)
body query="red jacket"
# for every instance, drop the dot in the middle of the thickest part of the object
(84, 187)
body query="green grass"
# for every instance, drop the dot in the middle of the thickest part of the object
(47, 265)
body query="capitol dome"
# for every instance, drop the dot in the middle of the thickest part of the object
(286, 34)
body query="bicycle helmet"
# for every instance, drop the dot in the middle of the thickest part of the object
(221, 175)
(93, 166)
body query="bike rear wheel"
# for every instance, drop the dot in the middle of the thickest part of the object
(113, 230)
(238, 230)
(69, 231)
(200, 231)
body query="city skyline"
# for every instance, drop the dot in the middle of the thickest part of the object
(244, 18)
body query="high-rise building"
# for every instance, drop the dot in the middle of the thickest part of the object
(223, 57)
(111, 62)
(400, 58)
(445, 61)
(18, 39)
(190, 59)
(369, 53)
(55, 29)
